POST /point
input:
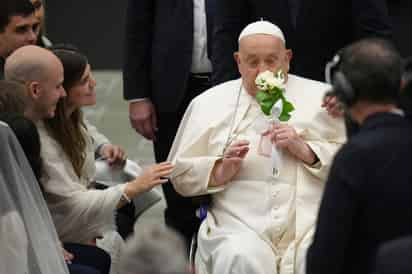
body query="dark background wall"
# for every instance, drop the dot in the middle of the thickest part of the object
(401, 14)
(97, 27)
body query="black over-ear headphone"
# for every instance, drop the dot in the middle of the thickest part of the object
(341, 87)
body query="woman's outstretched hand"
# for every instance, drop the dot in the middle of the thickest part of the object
(152, 176)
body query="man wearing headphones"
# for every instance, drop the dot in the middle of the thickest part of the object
(367, 196)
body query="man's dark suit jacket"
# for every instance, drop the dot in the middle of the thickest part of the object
(158, 52)
(367, 198)
(395, 257)
(322, 28)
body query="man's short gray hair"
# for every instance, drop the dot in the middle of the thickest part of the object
(154, 250)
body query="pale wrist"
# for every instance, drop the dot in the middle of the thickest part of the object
(212, 181)
(101, 149)
(126, 197)
(129, 190)
(215, 178)
(310, 156)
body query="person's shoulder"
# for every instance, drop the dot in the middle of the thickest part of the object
(308, 83)
(388, 133)
(306, 92)
(49, 145)
(363, 144)
(219, 94)
(43, 133)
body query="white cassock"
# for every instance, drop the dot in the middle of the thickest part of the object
(262, 221)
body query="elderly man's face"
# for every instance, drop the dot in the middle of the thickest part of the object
(20, 31)
(258, 53)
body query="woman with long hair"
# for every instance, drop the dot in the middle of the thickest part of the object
(81, 213)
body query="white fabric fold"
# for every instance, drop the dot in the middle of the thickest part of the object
(29, 242)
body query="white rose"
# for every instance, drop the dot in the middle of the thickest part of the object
(261, 84)
(262, 79)
(265, 75)
(276, 82)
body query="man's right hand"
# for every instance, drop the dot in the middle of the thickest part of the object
(143, 119)
(226, 168)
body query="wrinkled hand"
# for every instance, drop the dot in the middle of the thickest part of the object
(332, 106)
(143, 119)
(227, 167)
(285, 137)
(151, 177)
(113, 154)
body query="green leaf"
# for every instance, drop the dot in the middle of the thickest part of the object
(266, 107)
(284, 117)
(275, 91)
(287, 106)
(266, 101)
(276, 97)
(262, 96)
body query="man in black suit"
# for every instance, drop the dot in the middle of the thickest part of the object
(316, 29)
(367, 196)
(166, 65)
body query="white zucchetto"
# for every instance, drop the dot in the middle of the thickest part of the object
(262, 27)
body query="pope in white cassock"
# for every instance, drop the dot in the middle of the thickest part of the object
(263, 210)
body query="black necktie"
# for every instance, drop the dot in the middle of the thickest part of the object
(294, 10)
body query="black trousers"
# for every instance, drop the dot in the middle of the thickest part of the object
(86, 257)
(81, 269)
(125, 216)
(180, 212)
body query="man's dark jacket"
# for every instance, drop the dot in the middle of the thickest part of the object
(367, 198)
(158, 51)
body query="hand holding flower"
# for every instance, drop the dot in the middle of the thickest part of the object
(285, 137)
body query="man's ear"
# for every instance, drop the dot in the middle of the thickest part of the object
(288, 58)
(237, 57)
(33, 89)
(289, 55)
